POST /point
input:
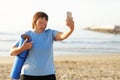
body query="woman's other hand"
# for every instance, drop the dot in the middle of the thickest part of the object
(26, 45)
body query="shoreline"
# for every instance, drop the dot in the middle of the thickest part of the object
(71, 57)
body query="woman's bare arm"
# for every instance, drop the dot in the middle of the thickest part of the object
(17, 50)
(63, 35)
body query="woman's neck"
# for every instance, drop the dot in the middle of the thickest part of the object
(38, 30)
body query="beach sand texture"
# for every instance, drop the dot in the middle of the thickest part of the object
(76, 67)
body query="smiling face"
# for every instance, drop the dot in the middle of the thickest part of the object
(41, 23)
(40, 20)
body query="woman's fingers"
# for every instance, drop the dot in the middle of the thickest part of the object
(69, 22)
(27, 45)
(30, 44)
(25, 40)
(25, 36)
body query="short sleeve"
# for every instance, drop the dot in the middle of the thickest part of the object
(54, 32)
(16, 43)
(28, 32)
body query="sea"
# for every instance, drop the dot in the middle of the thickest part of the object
(79, 42)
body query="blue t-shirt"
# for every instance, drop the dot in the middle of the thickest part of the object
(40, 59)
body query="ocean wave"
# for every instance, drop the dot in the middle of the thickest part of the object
(3, 33)
(7, 40)
(90, 42)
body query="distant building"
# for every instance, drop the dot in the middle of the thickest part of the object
(116, 28)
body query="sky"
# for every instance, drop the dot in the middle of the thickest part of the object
(17, 14)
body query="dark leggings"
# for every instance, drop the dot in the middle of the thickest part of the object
(48, 77)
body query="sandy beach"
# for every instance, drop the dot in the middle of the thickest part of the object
(76, 67)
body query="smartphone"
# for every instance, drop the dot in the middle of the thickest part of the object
(69, 15)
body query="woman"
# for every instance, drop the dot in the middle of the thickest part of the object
(39, 64)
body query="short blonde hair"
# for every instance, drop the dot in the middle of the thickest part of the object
(38, 15)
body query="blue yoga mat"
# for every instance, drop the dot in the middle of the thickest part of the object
(19, 60)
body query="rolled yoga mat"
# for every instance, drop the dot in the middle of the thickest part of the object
(19, 59)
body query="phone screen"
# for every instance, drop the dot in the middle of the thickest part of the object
(69, 14)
